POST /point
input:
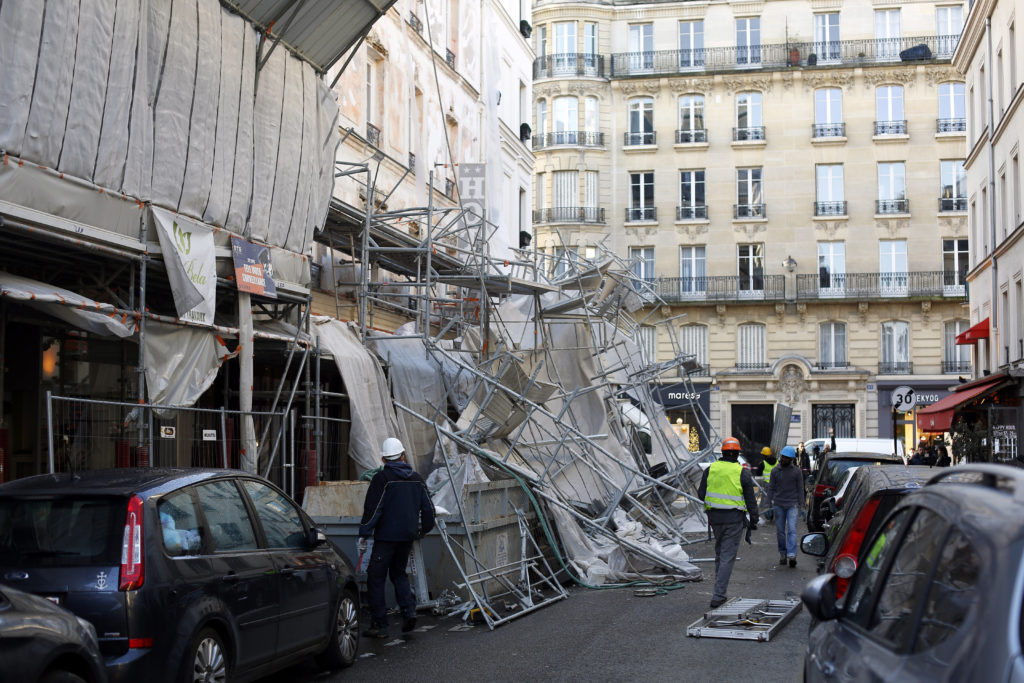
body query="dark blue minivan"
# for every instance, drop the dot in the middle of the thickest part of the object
(186, 574)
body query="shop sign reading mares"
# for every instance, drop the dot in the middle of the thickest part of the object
(254, 272)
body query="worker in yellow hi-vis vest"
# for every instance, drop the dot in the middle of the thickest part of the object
(727, 489)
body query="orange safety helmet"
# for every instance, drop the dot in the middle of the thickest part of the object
(730, 443)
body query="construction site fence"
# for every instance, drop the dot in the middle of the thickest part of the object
(87, 434)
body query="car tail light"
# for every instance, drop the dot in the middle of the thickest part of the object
(134, 643)
(846, 559)
(133, 565)
(823, 489)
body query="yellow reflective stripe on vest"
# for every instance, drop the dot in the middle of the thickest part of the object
(724, 488)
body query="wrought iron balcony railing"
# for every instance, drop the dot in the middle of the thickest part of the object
(892, 206)
(830, 208)
(896, 368)
(721, 288)
(569, 64)
(890, 127)
(642, 138)
(644, 213)
(569, 214)
(750, 133)
(691, 212)
(572, 138)
(780, 55)
(952, 204)
(928, 283)
(832, 364)
(950, 125)
(752, 365)
(956, 367)
(829, 130)
(749, 211)
(691, 135)
(373, 134)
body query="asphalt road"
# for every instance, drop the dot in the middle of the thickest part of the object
(599, 635)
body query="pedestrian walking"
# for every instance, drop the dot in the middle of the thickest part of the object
(785, 493)
(727, 489)
(396, 512)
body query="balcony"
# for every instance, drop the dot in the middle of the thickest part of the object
(571, 138)
(449, 58)
(754, 133)
(569, 64)
(829, 208)
(832, 365)
(952, 204)
(691, 212)
(778, 56)
(890, 127)
(569, 214)
(749, 211)
(719, 288)
(828, 130)
(693, 135)
(956, 367)
(639, 139)
(950, 125)
(642, 214)
(748, 366)
(883, 206)
(415, 23)
(373, 135)
(929, 283)
(895, 368)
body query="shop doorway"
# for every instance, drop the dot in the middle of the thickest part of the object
(752, 425)
(841, 416)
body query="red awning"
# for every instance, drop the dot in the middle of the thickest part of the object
(973, 333)
(939, 416)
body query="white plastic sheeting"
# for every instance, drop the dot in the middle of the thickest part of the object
(155, 100)
(181, 363)
(80, 311)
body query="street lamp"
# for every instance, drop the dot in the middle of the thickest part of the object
(789, 263)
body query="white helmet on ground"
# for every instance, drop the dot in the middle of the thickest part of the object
(392, 449)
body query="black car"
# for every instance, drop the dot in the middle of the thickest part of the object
(872, 493)
(184, 573)
(937, 596)
(830, 471)
(40, 641)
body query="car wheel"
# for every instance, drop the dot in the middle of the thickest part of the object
(207, 659)
(344, 643)
(60, 676)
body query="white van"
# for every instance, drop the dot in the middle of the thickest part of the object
(882, 446)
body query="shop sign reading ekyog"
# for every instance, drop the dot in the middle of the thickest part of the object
(253, 270)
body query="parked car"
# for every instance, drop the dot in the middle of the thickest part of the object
(831, 505)
(182, 571)
(880, 446)
(40, 641)
(938, 595)
(829, 474)
(872, 493)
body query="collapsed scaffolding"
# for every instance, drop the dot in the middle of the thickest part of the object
(507, 370)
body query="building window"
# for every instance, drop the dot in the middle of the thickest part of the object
(591, 196)
(539, 192)
(832, 345)
(892, 267)
(641, 261)
(952, 115)
(565, 121)
(828, 113)
(566, 188)
(952, 186)
(693, 341)
(892, 188)
(750, 264)
(691, 44)
(641, 47)
(590, 120)
(752, 350)
(749, 202)
(645, 339)
(1015, 188)
(590, 43)
(641, 197)
(748, 41)
(956, 358)
(831, 268)
(829, 187)
(691, 196)
(887, 33)
(542, 119)
(565, 48)
(692, 270)
(954, 266)
(949, 21)
(895, 348)
(641, 121)
(691, 120)
(889, 116)
(749, 121)
(826, 37)
(564, 260)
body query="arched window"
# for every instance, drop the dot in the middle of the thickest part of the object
(895, 348)
(691, 119)
(828, 113)
(693, 340)
(832, 345)
(641, 121)
(956, 358)
(749, 117)
(890, 118)
(751, 347)
(565, 120)
(952, 114)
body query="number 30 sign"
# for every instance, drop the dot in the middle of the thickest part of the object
(903, 398)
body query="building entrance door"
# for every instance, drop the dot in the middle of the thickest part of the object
(842, 416)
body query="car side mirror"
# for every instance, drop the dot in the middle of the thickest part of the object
(814, 544)
(819, 595)
(316, 537)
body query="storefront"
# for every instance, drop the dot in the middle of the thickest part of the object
(926, 392)
(687, 408)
